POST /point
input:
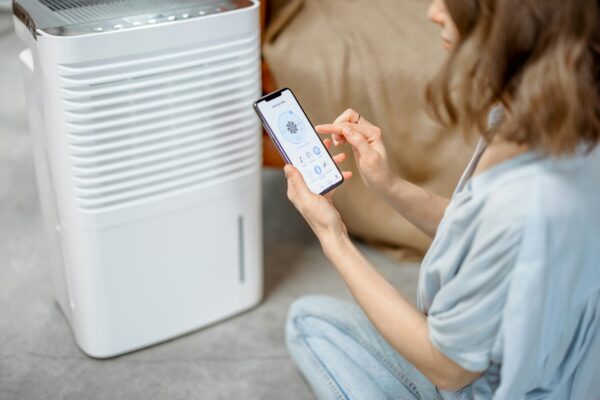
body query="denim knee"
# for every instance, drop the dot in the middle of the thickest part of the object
(307, 306)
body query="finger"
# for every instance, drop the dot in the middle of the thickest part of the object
(296, 186)
(334, 130)
(367, 130)
(364, 121)
(329, 195)
(291, 191)
(338, 140)
(349, 115)
(345, 130)
(328, 129)
(327, 143)
(339, 158)
(357, 141)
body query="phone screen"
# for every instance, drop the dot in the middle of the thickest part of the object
(298, 141)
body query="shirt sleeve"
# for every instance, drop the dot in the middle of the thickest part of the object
(465, 317)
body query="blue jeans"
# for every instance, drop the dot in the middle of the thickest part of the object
(342, 356)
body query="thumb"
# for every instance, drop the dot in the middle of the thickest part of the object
(296, 182)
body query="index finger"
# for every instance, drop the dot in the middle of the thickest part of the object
(338, 129)
(328, 129)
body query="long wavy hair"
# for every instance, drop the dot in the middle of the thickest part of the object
(541, 58)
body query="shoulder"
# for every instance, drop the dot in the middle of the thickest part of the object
(552, 190)
(553, 204)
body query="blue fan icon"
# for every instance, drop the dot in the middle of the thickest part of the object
(291, 127)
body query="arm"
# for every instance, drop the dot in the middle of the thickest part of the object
(422, 208)
(400, 323)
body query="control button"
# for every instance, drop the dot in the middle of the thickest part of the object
(171, 18)
(316, 150)
(318, 170)
(201, 12)
(117, 26)
(152, 21)
(98, 29)
(186, 15)
(136, 23)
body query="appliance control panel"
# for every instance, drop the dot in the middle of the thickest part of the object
(146, 19)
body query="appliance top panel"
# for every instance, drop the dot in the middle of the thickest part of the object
(81, 17)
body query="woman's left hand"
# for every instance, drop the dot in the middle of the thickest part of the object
(317, 210)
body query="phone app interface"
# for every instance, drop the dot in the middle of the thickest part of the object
(299, 141)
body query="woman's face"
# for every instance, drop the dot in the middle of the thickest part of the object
(439, 15)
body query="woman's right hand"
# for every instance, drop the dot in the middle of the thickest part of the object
(367, 144)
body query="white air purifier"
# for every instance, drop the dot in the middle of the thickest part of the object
(148, 155)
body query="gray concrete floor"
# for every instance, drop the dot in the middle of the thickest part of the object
(244, 357)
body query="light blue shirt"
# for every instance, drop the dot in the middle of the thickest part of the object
(511, 283)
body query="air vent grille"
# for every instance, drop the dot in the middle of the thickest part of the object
(158, 124)
(85, 11)
(58, 5)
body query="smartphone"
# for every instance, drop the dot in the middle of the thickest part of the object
(296, 139)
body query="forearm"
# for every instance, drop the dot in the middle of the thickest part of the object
(397, 319)
(420, 207)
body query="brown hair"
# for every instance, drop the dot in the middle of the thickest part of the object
(542, 56)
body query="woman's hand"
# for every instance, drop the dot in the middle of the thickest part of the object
(317, 210)
(367, 145)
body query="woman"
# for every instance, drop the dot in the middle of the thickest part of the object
(509, 292)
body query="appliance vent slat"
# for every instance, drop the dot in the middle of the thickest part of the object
(171, 111)
(126, 75)
(149, 133)
(176, 122)
(181, 125)
(116, 81)
(157, 164)
(229, 159)
(153, 58)
(102, 160)
(139, 98)
(208, 178)
(101, 92)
